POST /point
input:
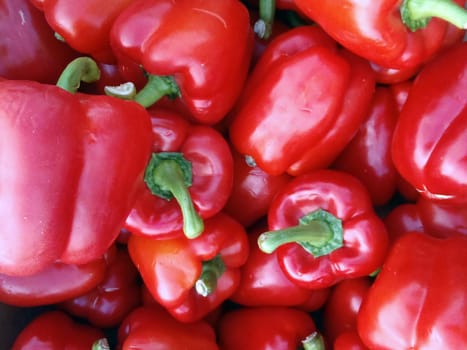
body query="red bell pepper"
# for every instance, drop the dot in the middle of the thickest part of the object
(419, 298)
(153, 328)
(324, 229)
(85, 25)
(28, 49)
(368, 155)
(54, 284)
(430, 139)
(321, 94)
(69, 173)
(199, 50)
(263, 283)
(55, 330)
(198, 167)
(118, 293)
(191, 277)
(275, 327)
(392, 34)
(252, 191)
(402, 219)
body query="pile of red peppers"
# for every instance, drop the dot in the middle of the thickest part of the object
(206, 174)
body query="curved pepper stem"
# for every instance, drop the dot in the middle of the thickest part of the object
(319, 233)
(211, 272)
(417, 13)
(80, 69)
(169, 175)
(313, 342)
(101, 344)
(267, 11)
(156, 88)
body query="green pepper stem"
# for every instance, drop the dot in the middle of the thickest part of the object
(80, 69)
(267, 11)
(318, 232)
(313, 342)
(417, 13)
(125, 91)
(210, 274)
(156, 88)
(101, 344)
(168, 175)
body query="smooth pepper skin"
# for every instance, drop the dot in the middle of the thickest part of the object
(71, 168)
(376, 32)
(365, 239)
(430, 140)
(304, 82)
(206, 46)
(418, 300)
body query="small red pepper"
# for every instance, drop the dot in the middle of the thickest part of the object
(69, 171)
(430, 140)
(150, 327)
(324, 229)
(55, 330)
(191, 277)
(275, 327)
(419, 298)
(368, 154)
(199, 50)
(321, 94)
(402, 219)
(189, 178)
(118, 293)
(392, 34)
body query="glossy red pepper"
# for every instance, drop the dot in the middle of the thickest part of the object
(191, 277)
(275, 327)
(69, 173)
(324, 229)
(392, 34)
(252, 191)
(402, 219)
(84, 26)
(153, 328)
(419, 298)
(368, 155)
(263, 283)
(430, 139)
(69, 281)
(28, 49)
(118, 293)
(321, 94)
(199, 50)
(55, 330)
(189, 179)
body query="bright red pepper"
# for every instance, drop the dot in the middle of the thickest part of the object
(368, 155)
(199, 50)
(153, 328)
(275, 327)
(55, 330)
(379, 31)
(321, 95)
(402, 219)
(199, 174)
(28, 49)
(69, 171)
(325, 230)
(349, 340)
(191, 277)
(430, 140)
(113, 298)
(419, 298)
(263, 283)
(85, 25)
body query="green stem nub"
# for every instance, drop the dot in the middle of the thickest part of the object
(417, 13)
(156, 88)
(101, 344)
(210, 274)
(263, 26)
(169, 175)
(80, 69)
(314, 341)
(318, 232)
